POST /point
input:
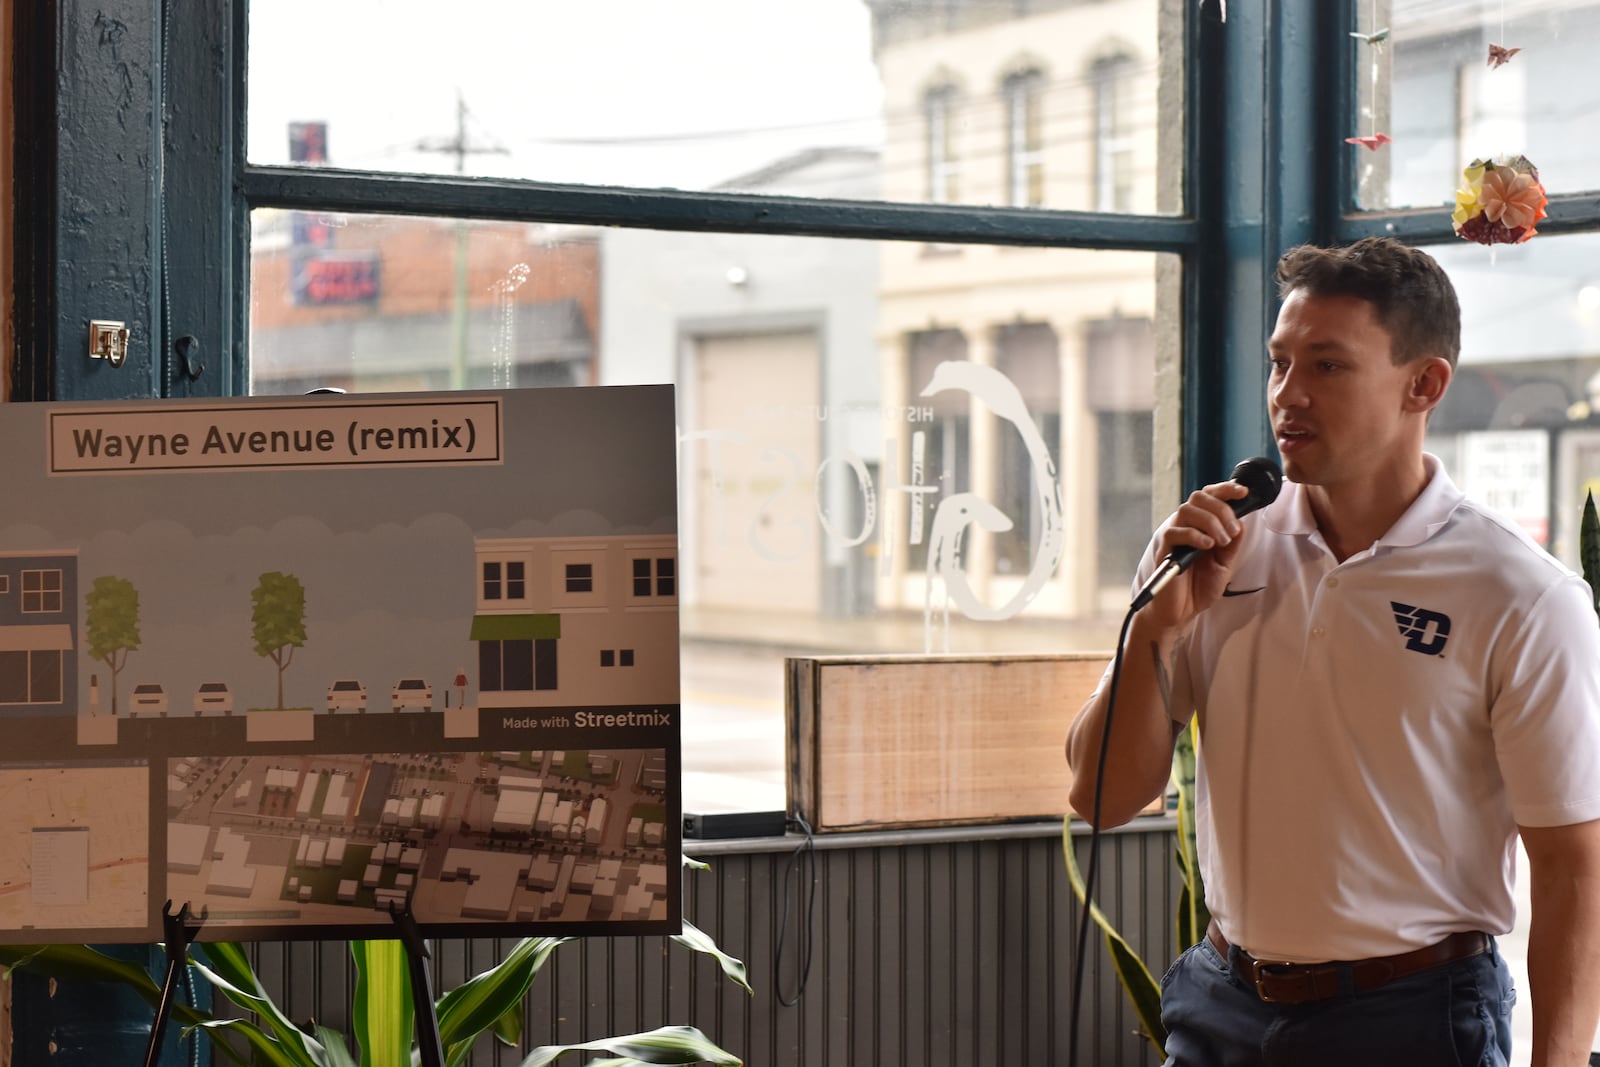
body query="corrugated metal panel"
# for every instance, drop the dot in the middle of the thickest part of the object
(929, 950)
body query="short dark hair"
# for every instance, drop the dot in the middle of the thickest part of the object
(1409, 292)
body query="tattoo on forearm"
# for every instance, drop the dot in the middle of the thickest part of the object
(1163, 677)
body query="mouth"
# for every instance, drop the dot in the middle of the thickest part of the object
(1291, 438)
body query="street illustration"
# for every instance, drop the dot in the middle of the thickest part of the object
(350, 653)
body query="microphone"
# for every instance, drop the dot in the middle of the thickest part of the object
(1259, 475)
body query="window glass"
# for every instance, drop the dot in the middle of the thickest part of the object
(1520, 427)
(832, 395)
(1047, 103)
(1433, 85)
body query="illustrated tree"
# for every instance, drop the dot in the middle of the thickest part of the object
(278, 617)
(113, 622)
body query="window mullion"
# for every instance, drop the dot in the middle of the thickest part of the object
(518, 201)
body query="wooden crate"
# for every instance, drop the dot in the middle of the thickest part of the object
(880, 742)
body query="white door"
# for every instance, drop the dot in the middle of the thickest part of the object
(755, 482)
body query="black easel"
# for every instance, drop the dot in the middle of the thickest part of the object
(179, 932)
(421, 986)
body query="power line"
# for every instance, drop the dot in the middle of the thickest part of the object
(459, 146)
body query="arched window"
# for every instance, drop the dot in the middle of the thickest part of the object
(1113, 133)
(944, 166)
(1023, 94)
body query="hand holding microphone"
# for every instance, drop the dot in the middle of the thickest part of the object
(1261, 479)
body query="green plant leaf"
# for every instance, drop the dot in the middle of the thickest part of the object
(700, 941)
(1143, 991)
(229, 970)
(338, 1052)
(381, 1013)
(479, 1003)
(694, 864)
(669, 1044)
(1186, 934)
(1193, 915)
(267, 1051)
(1589, 547)
(508, 1028)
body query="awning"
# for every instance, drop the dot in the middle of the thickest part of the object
(516, 627)
(52, 637)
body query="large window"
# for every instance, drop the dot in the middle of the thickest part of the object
(1432, 85)
(807, 215)
(834, 393)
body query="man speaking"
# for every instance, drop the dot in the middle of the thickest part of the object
(1392, 684)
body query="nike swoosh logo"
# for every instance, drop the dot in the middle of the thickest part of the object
(1242, 592)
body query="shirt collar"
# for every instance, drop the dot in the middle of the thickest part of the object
(1291, 512)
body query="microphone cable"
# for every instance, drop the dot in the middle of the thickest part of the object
(1263, 479)
(805, 854)
(1092, 868)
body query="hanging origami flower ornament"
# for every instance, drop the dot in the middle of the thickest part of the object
(1499, 56)
(1500, 201)
(1373, 143)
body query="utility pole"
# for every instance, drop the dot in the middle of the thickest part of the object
(458, 312)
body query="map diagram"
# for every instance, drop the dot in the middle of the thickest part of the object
(573, 835)
(72, 847)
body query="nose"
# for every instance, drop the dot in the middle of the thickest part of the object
(1287, 388)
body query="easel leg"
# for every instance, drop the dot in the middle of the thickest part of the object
(179, 933)
(432, 1053)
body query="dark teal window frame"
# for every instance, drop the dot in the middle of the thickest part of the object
(106, 194)
(162, 177)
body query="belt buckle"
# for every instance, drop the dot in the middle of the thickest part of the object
(1261, 970)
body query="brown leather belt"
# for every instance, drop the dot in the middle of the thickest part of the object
(1301, 983)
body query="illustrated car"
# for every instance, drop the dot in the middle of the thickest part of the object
(412, 693)
(213, 698)
(148, 698)
(347, 694)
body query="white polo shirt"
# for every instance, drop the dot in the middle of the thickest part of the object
(1373, 731)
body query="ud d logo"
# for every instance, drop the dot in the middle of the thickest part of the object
(1425, 631)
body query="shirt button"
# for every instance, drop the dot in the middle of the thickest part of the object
(1318, 631)
(1333, 583)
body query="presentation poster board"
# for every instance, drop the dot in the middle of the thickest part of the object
(296, 662)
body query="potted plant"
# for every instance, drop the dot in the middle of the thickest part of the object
(382, 1013)
(1139, 983)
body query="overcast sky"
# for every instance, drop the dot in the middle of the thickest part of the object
(684, 93)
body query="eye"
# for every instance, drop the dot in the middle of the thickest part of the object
(1327, 365)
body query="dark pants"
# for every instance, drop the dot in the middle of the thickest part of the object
(1456, 1015)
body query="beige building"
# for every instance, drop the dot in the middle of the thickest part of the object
(577, 621)
(1058, 109)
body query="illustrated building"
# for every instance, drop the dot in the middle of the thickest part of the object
(591, 620)
(38, 617)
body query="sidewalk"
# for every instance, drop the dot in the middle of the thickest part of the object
(795, 633)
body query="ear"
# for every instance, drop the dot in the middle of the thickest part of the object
(1430, 377)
